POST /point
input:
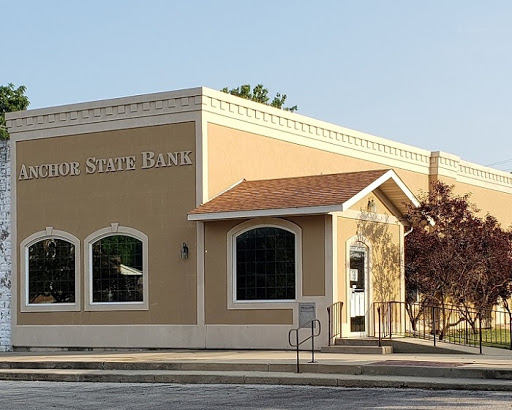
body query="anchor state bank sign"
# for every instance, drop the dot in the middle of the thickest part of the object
(93, 165)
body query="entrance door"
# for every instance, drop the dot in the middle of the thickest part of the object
(358, 292)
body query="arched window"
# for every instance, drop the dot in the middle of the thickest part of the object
(51, 271)
(265, 264)
(117, 267)
(50, 266)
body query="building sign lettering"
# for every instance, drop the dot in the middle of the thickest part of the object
(93, 165)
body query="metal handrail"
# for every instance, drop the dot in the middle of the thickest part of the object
(335, 317)
(311, 336)
(455, 324)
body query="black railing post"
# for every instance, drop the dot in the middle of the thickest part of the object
(373, 318)
(510, 331)
(480, 330)
(312, 342)
(329, 325)
(335, 319)
(434, 323)
(390, 308)
(466, 331)
(340, 319)
(380, 336)
(424, 316)
(297, 333)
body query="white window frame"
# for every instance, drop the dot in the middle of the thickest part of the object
(48, 233)
(112, 230)
(238, 230)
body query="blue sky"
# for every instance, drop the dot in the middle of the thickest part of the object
(434, 74)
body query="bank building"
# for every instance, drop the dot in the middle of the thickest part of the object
(196, 219)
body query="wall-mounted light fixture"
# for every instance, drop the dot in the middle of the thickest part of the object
(184, 251)
(371, 207)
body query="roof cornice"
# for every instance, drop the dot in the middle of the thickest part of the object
(73, 116)
(285, 125)
(177, 106)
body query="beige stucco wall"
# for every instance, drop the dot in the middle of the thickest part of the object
(234, 155)
(382, 238)
(489, 201)
(216, 270)
(380, 207)
(154, 201)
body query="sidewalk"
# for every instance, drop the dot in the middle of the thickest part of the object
(491, 371)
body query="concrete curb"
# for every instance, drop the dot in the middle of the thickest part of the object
(440, 372)
(275, 378)
(419, 371)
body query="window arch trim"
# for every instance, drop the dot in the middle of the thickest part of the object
(244, 227)
(113, 230)
(48, 233)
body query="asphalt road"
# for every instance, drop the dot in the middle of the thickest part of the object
(54, 395)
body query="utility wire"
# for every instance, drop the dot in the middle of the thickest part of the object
(499, 162)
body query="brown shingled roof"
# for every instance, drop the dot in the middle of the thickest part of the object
(285, 193)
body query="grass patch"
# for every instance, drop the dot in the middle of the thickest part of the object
(497, 337)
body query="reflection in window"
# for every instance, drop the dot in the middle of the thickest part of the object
(265, 264)
(117, 269)
(51, 272)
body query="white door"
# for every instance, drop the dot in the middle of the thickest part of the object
(358, 291)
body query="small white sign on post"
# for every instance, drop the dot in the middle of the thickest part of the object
(354, 275)
(307, 312)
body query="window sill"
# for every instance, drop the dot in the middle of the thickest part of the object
(50, 307)
(116, 306)
(263, 304)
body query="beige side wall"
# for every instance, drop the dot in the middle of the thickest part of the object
(154, 201)
(383, 240)
(344, 231)
(234, 155)
(380, 207)
(216, 285)
(498, 204)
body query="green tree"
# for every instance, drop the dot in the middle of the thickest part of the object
(11, 99)
(260, 94)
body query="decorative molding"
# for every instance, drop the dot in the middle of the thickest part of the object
(469, 172)
(105, 110)
(452, 166)
(359, 144)
(266, 120)
(353, 143)
(260, 213)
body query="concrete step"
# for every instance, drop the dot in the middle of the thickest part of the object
(353, 349)
(188, 371)
(410, 345)
(357, 342)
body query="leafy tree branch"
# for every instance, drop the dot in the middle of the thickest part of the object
(260, 94)
(11, 99)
